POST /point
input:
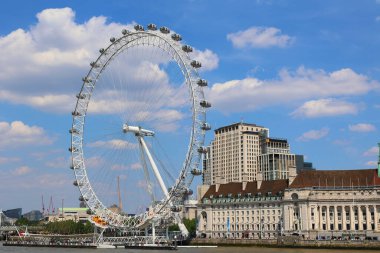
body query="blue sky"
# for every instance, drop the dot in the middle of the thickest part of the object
(308, 70)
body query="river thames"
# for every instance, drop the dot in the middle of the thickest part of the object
(183, 250)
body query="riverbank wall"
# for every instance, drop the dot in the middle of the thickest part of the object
(289, 243)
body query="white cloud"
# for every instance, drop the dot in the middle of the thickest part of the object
(17, 134)
(5, 160)
(113, 144)
(53, 180)
(94, 162)
(372, 151)
(372, 163)
(208, 59)
(133, 166)
(44, 64)
(325, 107)
(119, 167)
(20, 171)
(377, 19)
(260, 37)
(362, 127)
(58, 163)
(314, 134)
(136, 166)
(291, 87)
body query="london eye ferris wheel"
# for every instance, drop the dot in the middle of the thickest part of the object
(140, 117)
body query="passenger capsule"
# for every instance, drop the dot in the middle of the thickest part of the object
(71, 166)
(101, 50)
(125, 31)
(112, 39)
(76, 183)
(202, 82)
(176, 37)
(74, 131)
(86, 79)
(152, 27)
(196, 64)
(164, 30)
(139, 28)
(81, 198)
(176, 209)
(206, 126)
(73, 149)
(81, 96)
(196, 172)
(189, 192)
(202, 150)
(187, 48)
(205, 104)
(75, 113)
(94, 65)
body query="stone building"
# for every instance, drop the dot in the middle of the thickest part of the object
(333, 204)
(315, 205)
(241, 209)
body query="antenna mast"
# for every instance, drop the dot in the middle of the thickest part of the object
(118, 193)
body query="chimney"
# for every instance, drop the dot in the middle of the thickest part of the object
(259, 179)
(244, 181)
(292, 174)
(218, 182)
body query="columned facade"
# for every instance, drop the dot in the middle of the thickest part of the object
(305, 208)
(333, 213)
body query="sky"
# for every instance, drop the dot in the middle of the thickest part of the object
(307, 70)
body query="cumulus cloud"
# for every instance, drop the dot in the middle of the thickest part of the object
(371, 163)
(377, 19)
(325, 107)
(291, 87)
(362, 127)
(20, 171)
(113, 144)
(5, 160)
(122, 167)
(314, 135)
(44, 64)
(260, 37)
(16, 134)
(209, 59)
(373, 151)
(58, 163)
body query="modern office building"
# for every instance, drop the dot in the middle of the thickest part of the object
(234, 152)
(34, 215)
(275, 161)
(207, 166)
(13, 213)
(246, 150)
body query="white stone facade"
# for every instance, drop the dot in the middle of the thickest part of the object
(332, 213)
(323, 205)
(240, 218)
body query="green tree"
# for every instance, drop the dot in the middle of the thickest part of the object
(69, 227)
(191, 225)
(22, 222)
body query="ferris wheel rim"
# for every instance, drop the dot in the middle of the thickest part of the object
(198, 120)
